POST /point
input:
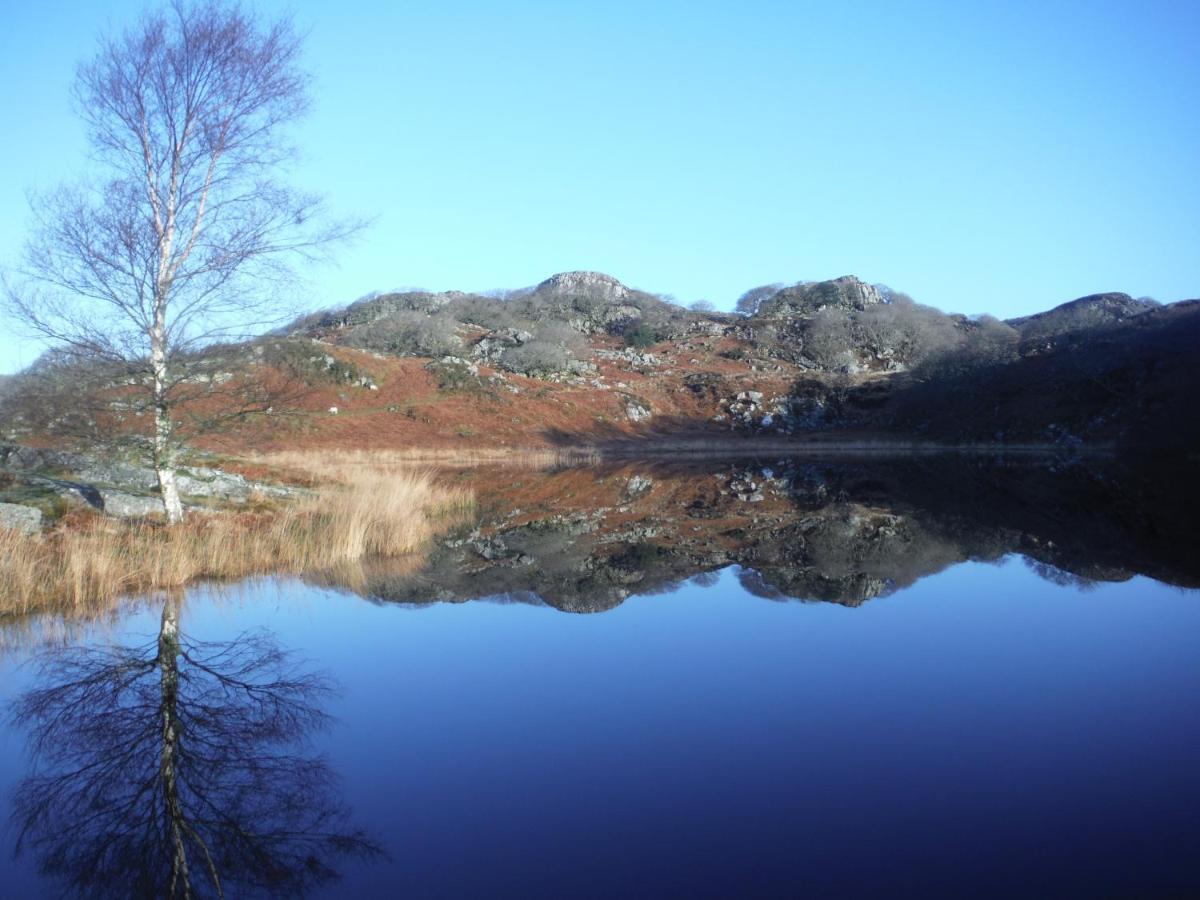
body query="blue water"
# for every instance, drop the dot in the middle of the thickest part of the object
(983, 731)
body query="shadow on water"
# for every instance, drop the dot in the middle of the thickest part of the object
(583, 539)
(180, 768)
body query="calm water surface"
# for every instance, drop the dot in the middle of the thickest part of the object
(623, 692)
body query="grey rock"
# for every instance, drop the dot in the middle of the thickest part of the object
(24, 519)
(212, 483)
(847, 293)
(633, 357)
(129, 506)
(491, 345)
(16, 458)
(637, 412)
(591, 284)
(117, 473)
(638, 484)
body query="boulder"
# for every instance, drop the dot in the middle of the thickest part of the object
(637, 412)
(213, 483)
(25, 519)
(129, 506)
(638, 484)
(127, 475)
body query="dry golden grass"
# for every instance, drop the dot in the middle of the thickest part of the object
(357, 511)
(346, 460)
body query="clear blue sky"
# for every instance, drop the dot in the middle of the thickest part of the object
(985, 157)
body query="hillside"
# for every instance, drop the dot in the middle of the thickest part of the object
(582, 360)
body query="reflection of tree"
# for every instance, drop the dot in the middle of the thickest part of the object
(178, 769)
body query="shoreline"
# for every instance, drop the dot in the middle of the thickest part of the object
(655, 448)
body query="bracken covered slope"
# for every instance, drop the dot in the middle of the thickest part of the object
(581, 360)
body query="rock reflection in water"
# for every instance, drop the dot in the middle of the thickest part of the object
(180, 769)
(584, 539)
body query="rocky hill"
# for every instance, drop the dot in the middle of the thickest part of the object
(581, 359)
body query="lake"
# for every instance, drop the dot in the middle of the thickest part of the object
(753, 677)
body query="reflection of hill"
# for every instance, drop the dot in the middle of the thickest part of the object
(584, 539)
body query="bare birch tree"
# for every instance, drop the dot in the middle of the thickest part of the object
(186, 236)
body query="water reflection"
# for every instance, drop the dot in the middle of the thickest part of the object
(987, 732)
(181, 768)
(585, 539)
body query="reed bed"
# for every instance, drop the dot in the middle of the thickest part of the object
(356, 511)
(440, 458)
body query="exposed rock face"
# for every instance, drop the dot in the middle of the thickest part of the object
(24, 519)
(604, 317)
(845, 293)
(491, 345)
(590, 284)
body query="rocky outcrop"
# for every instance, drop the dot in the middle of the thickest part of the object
(489, 347)
(587, 284)
(634, 358)
(636, 411)
(60, 481)
(374, 308)
(751, 411)
(847, 293)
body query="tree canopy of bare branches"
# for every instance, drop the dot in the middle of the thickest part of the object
(185, 236)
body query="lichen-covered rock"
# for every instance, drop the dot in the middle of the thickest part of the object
(845, 293)
(24, 519)
(126, 475)
(16, 458)
(631, 356)
(636, 412)
(129, 506)
(591, 284)
(491, 345)
(638, 484)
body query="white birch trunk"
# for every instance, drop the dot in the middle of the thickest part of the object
(164, 452)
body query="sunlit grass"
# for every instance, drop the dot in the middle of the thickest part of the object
(355, 511)
(408, 457)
